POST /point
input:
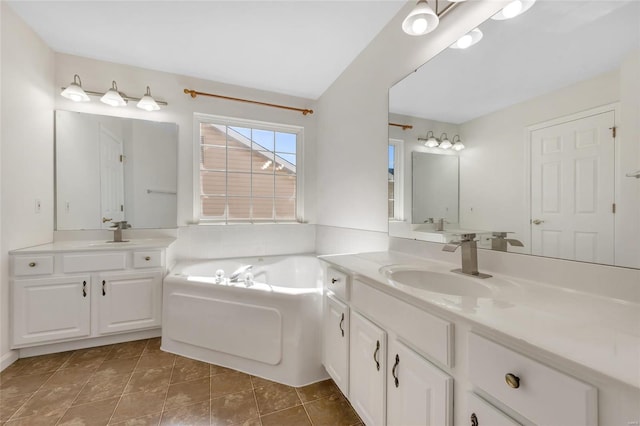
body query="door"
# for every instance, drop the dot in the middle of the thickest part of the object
(367, 372)
(336, 342)
(111, 177)
(418, 393)
(572, 189)
(49, 309)
(129, 301)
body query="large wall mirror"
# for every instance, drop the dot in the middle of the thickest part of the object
(110, 169)
(547, 108)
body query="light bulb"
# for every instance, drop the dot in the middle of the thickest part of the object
(419, 25)
(513, 9)
(465, 41)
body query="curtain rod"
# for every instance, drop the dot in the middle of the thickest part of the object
(194, 93)
(404, 126)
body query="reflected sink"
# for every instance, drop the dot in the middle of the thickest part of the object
(438, 282)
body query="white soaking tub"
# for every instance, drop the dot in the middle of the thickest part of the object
(271, 328)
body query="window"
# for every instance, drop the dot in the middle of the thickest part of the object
(394, 181)
(247, 171)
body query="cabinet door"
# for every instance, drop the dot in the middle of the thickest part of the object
(418, 393)
(129, 301)
(336, 342)
(51, 309)
(367, 367)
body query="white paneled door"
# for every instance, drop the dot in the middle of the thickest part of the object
(111, 177)
(572, 189)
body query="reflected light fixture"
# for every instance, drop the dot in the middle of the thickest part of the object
(431, 141)
(74, 91)
(421, 20)
(113, 97)
(513, 9)
(468, 40)
(147, 102)
(444, 142)
(457, 144)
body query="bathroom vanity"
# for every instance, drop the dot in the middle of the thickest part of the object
(450, 349)
(71, 294)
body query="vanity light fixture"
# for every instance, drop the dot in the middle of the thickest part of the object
(74, 91)
(430, 141)
(457, 144)
(468, 40)
(113, 97)
(147, 102)
(513, 9)
(421, 20)
(444, 142)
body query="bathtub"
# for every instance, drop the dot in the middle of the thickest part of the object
(270, 329)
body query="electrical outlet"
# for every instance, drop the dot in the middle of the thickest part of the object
(37, 206)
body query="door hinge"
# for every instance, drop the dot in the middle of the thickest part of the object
(613, 208)
(613, 131)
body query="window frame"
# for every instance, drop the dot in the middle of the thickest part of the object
(199, 118)
(398, 179)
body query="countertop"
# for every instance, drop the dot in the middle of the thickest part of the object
(597, 332)
(97, 245)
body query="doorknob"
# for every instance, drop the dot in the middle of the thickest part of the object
(537, 221)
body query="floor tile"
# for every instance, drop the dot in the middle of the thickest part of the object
(186, 369)
(295, 416)
(116, 367)
(22, 384)
(186, 393)
(318, 390)
(234, 409)
(44, 363)
(34, 421)
(148, 420)
(146, 380)
(259, 382)
(8, 406)
(89, 359)
(251, 422)
(192, 415)
(138, 404)
(68, 376)
(92, 414)
(226, 383)
(153, 346)
(218, 369)
(102, 387)
(49, 402)
(127, 350)
(276, 397)
(331, 411)
(156, 360)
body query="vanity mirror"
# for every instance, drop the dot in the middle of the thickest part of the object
(110, 169)
(547, 105)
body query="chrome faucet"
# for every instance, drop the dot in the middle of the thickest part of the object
(117, 231)
(499, 241)
(469, 255)
(235, 277)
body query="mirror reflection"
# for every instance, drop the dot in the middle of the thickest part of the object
(435, 189)
(546, 107)
(112, 169)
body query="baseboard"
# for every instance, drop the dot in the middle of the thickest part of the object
(8, 359)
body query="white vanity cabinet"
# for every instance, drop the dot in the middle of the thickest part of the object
(336, 329)
(63, 296)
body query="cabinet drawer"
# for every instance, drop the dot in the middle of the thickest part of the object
(485, 413)
(338, 283)
(147, 259)
(540, 393)
(87, 262)
(32, 265)
(431, 335)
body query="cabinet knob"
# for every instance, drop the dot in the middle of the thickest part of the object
(474, 419)
(32, 264)
(512, 380)
(147, 258)
(334, 280)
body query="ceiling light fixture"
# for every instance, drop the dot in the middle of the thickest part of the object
(444, 142)
(74, 91)
(113, 97)
(147, 102)
(513, 9)
(457, 145)
(421, 20)
(468, 40)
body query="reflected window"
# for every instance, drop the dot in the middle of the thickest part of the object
(248, 171)
(394, 180)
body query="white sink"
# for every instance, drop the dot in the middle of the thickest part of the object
(438, 282)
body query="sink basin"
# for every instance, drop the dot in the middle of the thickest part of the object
(438, 282)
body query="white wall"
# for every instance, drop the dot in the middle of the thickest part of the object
(27, 92)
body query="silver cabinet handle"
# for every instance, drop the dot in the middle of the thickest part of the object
(537, 221)
(393, 371)
(341, 322)
(375, 355)
(512, 380)
(32, 264)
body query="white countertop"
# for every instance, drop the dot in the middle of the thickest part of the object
(600, 333)
(97, 245)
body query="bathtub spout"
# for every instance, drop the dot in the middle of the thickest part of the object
(237, 274)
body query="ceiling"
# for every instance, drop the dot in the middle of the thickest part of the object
(295, 47)
(554, 44)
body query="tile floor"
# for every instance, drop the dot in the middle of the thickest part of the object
(135, 383)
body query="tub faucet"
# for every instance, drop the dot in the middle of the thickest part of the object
(469, 255)
(235, 277)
